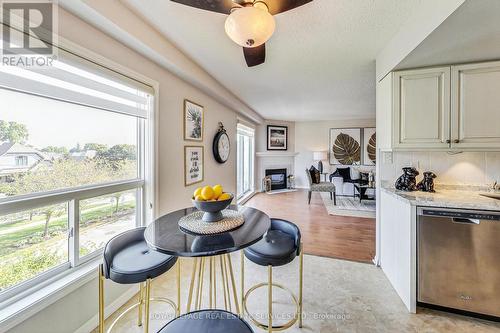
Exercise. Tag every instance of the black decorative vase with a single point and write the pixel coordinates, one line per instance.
(407, 181)
(427, 184)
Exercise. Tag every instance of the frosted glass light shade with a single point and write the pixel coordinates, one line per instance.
(250, 26)
(320, 155)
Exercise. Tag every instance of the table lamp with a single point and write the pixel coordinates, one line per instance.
(320, 156)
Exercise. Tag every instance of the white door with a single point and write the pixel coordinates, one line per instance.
(421, 108)
(476, 105)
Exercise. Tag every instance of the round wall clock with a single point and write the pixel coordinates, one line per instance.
(221, 146)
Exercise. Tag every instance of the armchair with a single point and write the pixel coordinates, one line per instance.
(321, 187)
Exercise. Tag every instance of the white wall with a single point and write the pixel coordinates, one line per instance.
(313, 136)
(74, 310)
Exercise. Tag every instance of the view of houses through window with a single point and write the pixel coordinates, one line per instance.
(73, 170)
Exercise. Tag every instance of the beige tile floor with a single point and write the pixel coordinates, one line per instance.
(339, 296)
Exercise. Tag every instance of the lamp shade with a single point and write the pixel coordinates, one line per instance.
(320, 155)
(250, 26)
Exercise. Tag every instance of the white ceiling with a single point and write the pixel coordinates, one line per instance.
(471, 33)
(320, 61)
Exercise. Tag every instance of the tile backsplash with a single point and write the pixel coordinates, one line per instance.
(467, 168)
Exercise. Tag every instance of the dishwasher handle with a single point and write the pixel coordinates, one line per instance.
(460, 216)
(465, 221)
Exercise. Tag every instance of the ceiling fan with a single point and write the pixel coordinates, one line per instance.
(250, 23)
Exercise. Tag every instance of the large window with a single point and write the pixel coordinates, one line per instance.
(74, 164)
(245, 160)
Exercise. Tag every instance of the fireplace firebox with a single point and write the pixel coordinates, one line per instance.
(278, 178)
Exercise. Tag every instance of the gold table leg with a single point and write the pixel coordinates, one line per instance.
(139, 317)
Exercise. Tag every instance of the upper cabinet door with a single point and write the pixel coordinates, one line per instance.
(421, 107)
(476, 105)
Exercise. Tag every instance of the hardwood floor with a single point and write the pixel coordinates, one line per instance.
(351, 238)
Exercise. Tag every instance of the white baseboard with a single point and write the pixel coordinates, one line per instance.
(92, 323)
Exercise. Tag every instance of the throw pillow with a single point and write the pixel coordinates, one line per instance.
(315, 176)
(345, 173)
(355, 173)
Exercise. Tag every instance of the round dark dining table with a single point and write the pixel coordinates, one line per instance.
(165, 235)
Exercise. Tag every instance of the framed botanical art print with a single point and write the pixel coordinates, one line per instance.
(193, 121)
(193, 165)
(345, 146)
(369, 146)
(277, 137)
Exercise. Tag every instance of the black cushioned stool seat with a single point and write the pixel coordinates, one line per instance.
(278, 247)
(128, 259)
(207, 321)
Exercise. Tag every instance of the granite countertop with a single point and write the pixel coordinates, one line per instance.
(466, 199)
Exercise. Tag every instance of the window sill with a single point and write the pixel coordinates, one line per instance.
(245, 198)
(15, 313)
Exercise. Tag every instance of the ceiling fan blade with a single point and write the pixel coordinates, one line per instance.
(280, 6)
(218, 6)
(255, 55)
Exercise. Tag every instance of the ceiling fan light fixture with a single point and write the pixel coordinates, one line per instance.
(250, 26)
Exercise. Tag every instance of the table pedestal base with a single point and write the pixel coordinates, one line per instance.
(220, 272)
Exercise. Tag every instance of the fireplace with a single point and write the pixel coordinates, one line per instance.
(278, 178)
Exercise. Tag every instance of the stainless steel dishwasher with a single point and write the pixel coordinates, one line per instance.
(458, 261)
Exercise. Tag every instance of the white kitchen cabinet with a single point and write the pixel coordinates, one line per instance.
(421, 108)
(475, 105)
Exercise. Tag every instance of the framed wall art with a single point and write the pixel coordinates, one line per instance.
(345, 146)
(194, 119)
(369, 146)
(277, 137)
(193, 165)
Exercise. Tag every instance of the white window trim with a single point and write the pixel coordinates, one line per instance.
(34, 299)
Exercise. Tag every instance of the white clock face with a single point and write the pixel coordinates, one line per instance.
(223, 147)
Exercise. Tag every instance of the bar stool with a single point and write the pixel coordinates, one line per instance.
(280, 246)
(127, 259)
(207, 321)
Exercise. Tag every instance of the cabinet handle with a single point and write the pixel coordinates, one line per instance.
(448, 141)
(456, 141)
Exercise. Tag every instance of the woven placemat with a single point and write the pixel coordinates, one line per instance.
(193, 222)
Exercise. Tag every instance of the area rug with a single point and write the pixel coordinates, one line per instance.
(349, 206)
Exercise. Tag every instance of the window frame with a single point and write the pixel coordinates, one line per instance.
(251, 156)
(23, 158)
(145, 183)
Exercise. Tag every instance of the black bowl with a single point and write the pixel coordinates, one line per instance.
(212, 209)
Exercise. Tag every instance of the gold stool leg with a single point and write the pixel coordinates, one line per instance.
(178, 309)
(301, 274)
(270, 298)
(141, 291)
(242, 265)
(148, 296)
(101, 299)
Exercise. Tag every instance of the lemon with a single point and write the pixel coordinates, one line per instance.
(224, 196)
(199, 198)
(197, 192)
(207, 193)
(217, 191)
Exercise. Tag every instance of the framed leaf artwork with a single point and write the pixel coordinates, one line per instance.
(369, 146)
(193, 121)
(345, 146)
